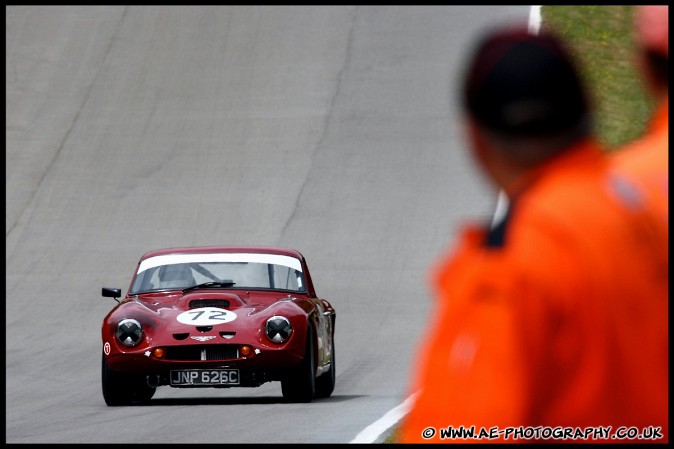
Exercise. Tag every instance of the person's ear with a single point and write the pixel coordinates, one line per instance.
(477, 143)
(486, 155)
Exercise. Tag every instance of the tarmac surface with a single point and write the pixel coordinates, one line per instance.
(329, 129)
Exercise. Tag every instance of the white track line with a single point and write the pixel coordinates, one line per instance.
(372, 432)
(535, 19)
(375, 430)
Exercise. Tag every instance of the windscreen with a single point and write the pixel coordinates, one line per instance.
(240, 271)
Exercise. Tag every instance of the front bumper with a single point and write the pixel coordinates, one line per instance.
(263, 364)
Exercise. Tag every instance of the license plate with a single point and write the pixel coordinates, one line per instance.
(204, 377)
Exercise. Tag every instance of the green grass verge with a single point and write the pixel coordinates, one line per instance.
(602, 41)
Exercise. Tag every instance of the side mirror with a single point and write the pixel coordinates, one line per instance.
(111, 293)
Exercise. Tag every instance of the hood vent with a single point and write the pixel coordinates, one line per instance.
(197, 303)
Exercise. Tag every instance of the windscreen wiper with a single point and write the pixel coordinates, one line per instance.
(209, 284)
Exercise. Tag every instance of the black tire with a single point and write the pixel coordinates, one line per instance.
(299, 385)
(123, 388)
(325, 383)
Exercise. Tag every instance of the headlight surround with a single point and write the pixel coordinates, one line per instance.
(278, 329)
(129, 332)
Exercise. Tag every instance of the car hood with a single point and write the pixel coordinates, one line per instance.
(175, 312)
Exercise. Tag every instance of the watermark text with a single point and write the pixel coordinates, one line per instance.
(543, 433)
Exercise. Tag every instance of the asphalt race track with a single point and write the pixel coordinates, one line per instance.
(331, 130)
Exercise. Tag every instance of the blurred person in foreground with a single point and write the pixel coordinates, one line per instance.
(549, 321)
(641, 168)
(648, 157)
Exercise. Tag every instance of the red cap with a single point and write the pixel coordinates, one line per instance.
(652, 26)
(518, 83)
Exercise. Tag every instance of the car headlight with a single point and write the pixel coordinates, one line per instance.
(278, 329)
(129, 332)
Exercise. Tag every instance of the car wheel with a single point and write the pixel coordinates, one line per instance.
(325, 384)
(122, 388)
(299, 385)
(142, 392)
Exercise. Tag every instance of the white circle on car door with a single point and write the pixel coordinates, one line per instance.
(206, 316)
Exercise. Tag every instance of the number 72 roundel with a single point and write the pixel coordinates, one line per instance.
(206, 316)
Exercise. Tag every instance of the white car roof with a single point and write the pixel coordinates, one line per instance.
(170, 259)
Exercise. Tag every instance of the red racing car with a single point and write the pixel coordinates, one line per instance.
(220, 317)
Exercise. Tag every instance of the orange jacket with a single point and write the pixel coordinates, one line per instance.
(564, 324)
(647, 158)
(640, 176)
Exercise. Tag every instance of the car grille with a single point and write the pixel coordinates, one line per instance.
(202, 352)
(196, 303)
